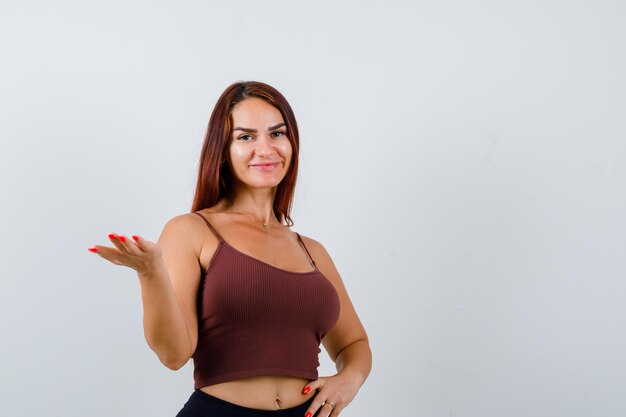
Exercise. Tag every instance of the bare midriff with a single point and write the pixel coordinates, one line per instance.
(264, 392)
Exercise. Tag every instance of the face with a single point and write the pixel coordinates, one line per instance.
(259, 151)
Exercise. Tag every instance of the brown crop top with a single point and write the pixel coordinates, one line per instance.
(257, 319)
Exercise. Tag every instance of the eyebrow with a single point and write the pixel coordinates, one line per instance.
(245, 129)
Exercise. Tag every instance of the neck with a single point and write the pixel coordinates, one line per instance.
(256, 202)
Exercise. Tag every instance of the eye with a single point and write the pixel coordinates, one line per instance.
(244, 136)
(279, 133)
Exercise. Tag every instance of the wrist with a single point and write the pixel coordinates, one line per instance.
(155, 272)
(352, 375)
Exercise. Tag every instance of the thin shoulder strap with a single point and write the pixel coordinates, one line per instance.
(307, 251)
(210, 227)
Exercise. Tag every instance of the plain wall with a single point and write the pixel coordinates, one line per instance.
(462, 162)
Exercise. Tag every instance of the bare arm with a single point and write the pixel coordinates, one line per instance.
(164, 325)
(169, 274)
(169, 293)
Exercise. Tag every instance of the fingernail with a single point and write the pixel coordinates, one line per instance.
(93, 249)
(122, 238)
(111, 235)
(136, 238)
(308, 414)
(306, 390)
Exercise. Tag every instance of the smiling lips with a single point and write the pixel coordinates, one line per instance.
(269, 165)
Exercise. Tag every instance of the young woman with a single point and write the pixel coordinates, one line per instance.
(232, 287)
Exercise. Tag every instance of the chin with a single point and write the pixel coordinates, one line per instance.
(262, 184)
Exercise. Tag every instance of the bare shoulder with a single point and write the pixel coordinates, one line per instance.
(322, 259)
(189, 232)
(314, 246)
(184, 220)
(183, 227)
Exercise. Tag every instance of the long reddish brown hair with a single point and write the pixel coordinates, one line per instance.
(215, 178)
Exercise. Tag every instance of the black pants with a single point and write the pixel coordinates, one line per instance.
(201, 404)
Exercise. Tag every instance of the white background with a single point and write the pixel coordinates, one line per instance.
(462, 161)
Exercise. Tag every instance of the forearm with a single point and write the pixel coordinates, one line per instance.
(164, 326)
(355, 361)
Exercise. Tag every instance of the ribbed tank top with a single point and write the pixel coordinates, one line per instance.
(257, 319)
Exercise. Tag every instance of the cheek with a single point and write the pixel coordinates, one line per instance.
(238, 154)
(288, 154)
(285, 149)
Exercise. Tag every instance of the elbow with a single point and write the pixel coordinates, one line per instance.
(174, 363)
(172, 358)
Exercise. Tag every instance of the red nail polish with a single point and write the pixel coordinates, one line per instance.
(111, 235)
(136, 238)
(94, 249)
(308, 414)
(306, 390)
(122, 238)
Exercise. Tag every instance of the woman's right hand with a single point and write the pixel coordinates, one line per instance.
(141, 255)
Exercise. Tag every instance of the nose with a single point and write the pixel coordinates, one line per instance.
(264, 147)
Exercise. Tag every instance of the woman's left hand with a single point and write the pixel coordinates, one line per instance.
(334, 394)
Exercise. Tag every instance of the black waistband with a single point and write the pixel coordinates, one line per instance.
(209, 405)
